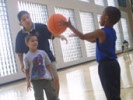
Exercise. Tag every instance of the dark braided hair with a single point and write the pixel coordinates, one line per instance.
(113, 13)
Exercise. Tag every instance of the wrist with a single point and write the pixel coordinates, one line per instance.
(59, 36)
(55, 35)
(28, 79)
(28, 82)
(22, 65)
(70, 26)
(52, 75)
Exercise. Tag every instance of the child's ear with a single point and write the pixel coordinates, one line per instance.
(106, 18)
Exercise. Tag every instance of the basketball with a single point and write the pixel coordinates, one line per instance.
(54, 24)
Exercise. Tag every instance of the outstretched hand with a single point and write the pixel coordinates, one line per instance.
(67, 24)
(64, 23)
(28, 86)
(63, 38)
(23, 69)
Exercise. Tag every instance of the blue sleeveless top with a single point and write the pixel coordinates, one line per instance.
(106, 50)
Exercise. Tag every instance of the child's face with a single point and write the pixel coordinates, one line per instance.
(32, 43)
(26, 21)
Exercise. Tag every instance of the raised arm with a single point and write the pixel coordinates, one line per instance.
(62, 37)
(49, 35)
(91, 37)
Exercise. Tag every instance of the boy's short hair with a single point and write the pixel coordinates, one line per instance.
(113, 13)
(21, 13)
(28, 37)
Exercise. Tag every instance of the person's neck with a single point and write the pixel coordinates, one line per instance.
(28, 29)
(108, 25)
(33, 50)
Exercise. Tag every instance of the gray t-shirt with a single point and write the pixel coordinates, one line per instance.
(37, 62)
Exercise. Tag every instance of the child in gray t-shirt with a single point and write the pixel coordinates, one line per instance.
(38, 70)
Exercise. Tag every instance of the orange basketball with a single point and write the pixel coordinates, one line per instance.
(54, 24)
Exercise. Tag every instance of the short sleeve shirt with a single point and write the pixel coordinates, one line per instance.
(36, 63)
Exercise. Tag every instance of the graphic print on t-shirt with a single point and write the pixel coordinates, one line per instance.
(38, 70)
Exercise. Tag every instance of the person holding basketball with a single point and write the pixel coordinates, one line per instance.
(43, 35)
(105, 38)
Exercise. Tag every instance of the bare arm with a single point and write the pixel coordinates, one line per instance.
(28, 79)
(91, 37)
(20, 57)
(61, 37)
(90, 40)
(27, 75)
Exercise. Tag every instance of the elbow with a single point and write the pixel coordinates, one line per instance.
(92, 41)
(82, 37)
